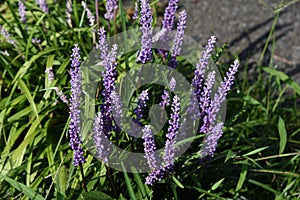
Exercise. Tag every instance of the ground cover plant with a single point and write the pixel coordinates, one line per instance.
(46, 152)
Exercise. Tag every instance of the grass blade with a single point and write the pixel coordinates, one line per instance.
(262, 185)
(61, 180)
(217, 184)
(255, 151)
(140, 184)
(283, 77)
(29, 97)
(242, 177)
(282, 135)
(177, 182)
(96, 195)
(128, 184)
(208, 193)
(23, 188)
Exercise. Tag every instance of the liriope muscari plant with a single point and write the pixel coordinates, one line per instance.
(104, 122)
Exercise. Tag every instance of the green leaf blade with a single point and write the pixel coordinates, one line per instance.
(282, 135)
(23, 188)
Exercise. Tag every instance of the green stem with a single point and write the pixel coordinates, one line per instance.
(268, 39)
(82, 175)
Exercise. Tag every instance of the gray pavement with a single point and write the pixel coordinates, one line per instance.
(245, 25)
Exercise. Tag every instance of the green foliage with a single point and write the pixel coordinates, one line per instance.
(22, 188)
(258, 154)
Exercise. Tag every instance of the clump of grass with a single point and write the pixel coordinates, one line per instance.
(258, 154)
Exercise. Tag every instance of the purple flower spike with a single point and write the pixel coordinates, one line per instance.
(61, 95)
(111, 7)
(170, 11)
(179, 34)
(178, 40)
(140, 107)
(4, 32)
(146, 20)
(172, 84)
(69, 12)
(165, 99)
(158, 35)
(109, 73)
(200, 67)
(214, 131)
(205, 100)
(167, 26)
(193, 107)
(109, 85)
(136, 11)
(100, 139)
(90, 16)
(102, 45)
(149, 147)
(74, 128)
(154, 176)
(222, 92)
(116, 105)
(117, 110)
(211, 140)
(6, 35)
(22, 10)
(43, 5)
(174, 124)
(156, 173)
